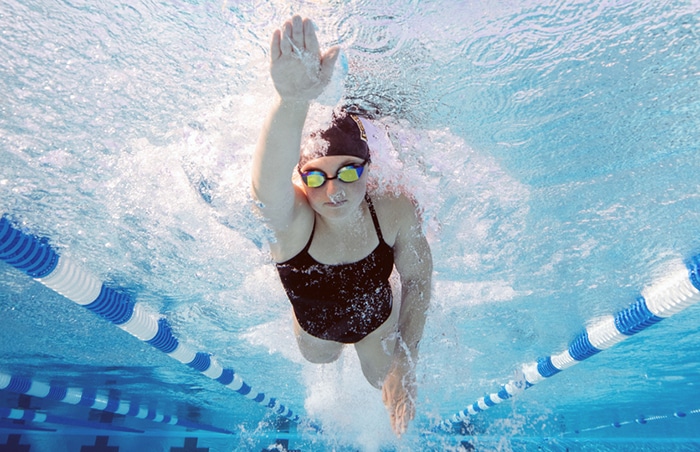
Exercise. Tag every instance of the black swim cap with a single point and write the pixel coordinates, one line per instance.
(345, 136)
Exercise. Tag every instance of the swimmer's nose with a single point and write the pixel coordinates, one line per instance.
(335, 192)
(338, 197)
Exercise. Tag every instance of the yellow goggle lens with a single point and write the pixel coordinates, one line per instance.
(314, 179)
(350, 173)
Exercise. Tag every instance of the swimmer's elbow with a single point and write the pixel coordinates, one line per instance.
(256, 196)
(265, 199)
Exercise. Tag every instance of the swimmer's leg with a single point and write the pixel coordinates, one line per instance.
(376, 350)
(376, 355)
(315, 350)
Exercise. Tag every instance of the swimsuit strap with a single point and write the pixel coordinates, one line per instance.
(374, 218)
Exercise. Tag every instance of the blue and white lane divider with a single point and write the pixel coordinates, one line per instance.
(35, 257)
(96, 400)
(19, 414)
(665, 298)
(641, 420)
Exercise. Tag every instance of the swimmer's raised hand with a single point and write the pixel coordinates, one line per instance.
(299, 70)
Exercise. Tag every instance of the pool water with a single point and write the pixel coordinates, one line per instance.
(551, 145)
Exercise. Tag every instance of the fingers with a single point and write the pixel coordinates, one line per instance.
(328, 62)
(275, 52)
(285, 39)
(403, 413)
(297, 32)
(292, 36)
(398, 423)
(401, 410)
(296, 35)
(310, 40)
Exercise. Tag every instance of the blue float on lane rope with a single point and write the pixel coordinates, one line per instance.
(35, 257)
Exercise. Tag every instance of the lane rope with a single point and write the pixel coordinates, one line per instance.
(20, 414)
(94, 399)
(666, 297)
(640, 420)
(36, 258)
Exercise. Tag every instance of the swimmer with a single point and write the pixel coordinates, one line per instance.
(336, 244)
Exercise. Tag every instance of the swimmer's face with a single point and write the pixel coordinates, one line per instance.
(335, 198)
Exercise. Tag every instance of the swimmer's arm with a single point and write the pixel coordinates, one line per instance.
(300, 72)
(414, 264)
(276, 154)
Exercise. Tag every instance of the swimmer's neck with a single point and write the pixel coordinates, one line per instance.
(347, 225)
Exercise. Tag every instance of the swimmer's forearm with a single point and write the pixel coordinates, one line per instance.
(414, 263)
(414, 307)
(277, 152)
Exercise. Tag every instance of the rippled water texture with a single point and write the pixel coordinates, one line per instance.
(552, 145)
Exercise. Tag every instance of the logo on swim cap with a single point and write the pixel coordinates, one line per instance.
(363, 134)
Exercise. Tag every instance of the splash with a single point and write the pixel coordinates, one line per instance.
(350, 411)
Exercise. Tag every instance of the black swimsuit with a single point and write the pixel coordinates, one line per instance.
(344, 302)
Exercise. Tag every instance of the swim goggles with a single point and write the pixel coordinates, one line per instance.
(347, 174)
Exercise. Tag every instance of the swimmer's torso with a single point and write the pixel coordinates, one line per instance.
(343, 302)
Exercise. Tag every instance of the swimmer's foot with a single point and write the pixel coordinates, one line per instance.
(399, 394)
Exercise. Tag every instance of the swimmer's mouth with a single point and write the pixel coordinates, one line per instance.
(336, 203)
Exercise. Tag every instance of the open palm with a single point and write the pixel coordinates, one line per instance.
(299, 70)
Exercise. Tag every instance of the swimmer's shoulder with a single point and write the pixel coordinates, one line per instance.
(292, 237)
(394, 212)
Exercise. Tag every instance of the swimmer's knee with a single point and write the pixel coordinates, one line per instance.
(373, 378)
(375, 361)
(375, 372)
(318, 351)
(321, 354)
(315, 350)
